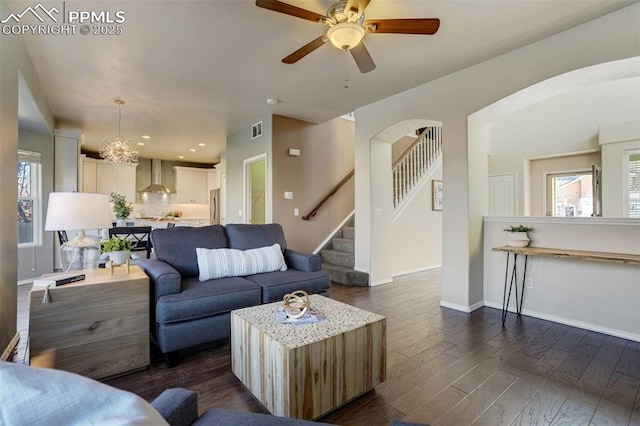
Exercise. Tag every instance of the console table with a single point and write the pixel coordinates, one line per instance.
(97, 327)
(633, 259)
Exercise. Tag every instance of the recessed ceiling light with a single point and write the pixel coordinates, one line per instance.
(141, 143)
(192, 150)
(146, 137)
(180, 156)
(202, 144)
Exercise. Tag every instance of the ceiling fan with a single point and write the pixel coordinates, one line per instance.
(347, 28)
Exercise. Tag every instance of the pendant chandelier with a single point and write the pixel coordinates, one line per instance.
(117, 149)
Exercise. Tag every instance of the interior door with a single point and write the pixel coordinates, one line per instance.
(502, 195)
(255, 190)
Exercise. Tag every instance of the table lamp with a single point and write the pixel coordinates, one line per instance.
(78, 211)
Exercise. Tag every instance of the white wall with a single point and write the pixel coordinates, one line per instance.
(417, 232)
(240, 147)
(565, 123)
(599, 296)
(14, 61)
(612, 37)
(35, 261)
(615, 139)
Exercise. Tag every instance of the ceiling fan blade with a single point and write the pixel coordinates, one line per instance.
(403, 26)
(305, 50)
(356, 7)
(288, 9)
(363, 58)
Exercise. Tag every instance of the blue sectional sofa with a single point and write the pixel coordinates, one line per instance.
(186, 312)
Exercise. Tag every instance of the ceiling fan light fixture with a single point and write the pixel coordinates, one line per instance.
(345, 35)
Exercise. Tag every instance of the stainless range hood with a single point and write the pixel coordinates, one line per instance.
(156, 186)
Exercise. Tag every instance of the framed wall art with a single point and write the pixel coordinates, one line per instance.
(436, 194)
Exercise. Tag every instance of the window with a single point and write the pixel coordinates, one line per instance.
(29, 199)
(570, 194)
(632, 190)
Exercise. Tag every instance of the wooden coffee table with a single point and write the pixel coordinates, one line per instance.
(305, 371)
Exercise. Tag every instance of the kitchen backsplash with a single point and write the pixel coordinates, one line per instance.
(160, 209)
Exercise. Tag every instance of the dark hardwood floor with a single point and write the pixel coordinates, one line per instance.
(446, 367)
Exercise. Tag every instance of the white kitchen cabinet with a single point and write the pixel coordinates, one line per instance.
(213, 182)
(191, 185)
(103, 178)
(89, 170)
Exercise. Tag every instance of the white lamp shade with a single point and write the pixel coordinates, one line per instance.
(77, 210)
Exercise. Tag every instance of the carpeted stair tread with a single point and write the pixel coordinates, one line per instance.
(349, 232)
(346, 276)
(337, 257)
(343, 244)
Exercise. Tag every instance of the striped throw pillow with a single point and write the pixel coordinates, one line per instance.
(220, 263)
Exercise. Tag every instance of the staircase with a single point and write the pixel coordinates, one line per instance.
(338, 257)
(416, 163)
(409, 172)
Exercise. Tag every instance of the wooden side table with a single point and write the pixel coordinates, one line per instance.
(98, 327)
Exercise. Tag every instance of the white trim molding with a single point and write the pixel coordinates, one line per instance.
(462, 308)
(622, 221)
(572, 323)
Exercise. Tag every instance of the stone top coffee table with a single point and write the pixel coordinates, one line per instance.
(305, 371)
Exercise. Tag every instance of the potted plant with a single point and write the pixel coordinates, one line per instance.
(121, 207)
(517, 235)
(118, 248)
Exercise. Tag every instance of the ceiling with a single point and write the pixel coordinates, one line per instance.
(193, 72)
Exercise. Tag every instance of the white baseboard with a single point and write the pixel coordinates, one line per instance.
(462, 308)
(380, 282)
(572, 323)
(9, 350)
(455, 306)
(476, 306)
(415, 271)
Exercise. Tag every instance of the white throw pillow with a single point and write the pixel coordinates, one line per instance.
(220, 263)
(40, 396)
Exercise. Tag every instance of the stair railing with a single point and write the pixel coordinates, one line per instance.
(415, 163)
(331, 193)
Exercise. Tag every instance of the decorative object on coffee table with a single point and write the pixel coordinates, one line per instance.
(517, 235)
(296, 304)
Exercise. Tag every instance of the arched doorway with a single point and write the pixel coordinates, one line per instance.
(399, 239)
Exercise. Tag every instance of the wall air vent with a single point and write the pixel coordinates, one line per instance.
(256, 130)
